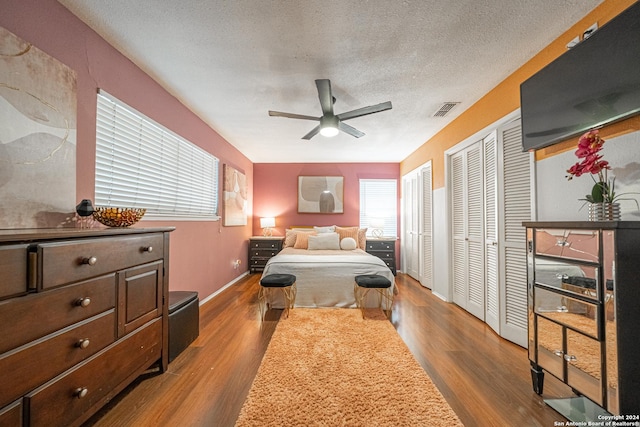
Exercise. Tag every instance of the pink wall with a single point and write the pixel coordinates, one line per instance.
(275, 187)
(201, 253)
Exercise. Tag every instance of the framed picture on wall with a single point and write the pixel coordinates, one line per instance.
(235, 197)
(320, 194)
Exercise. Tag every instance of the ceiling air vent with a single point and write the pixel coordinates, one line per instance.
(444, 109)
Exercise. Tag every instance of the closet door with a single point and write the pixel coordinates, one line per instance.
(468, 230)
(426, 228)
(492, 308)
(410, 244)
(517, 207)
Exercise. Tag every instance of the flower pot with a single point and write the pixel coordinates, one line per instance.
(604, 212)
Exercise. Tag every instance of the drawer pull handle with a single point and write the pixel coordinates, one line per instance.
(90, 261)
(83, 302)
(83, 343)
(570, 358)
(148, 249)
(558, 353)
(80, 392)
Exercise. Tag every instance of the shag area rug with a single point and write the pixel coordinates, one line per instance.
(329, 367)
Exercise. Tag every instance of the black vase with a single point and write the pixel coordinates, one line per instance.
(84, 208)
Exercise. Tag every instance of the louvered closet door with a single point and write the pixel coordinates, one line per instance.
(458, 229)
(492, 308)
(475, 232)
(410, 248)
(517, 167)
(468, 230)
(426, 229)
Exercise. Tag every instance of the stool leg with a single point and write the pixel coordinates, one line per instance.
(360, 295)
(289, 298)
(261, 302)
(388, 297)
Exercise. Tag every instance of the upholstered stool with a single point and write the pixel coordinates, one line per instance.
(184, 318)
(382, 285)
(284, 282)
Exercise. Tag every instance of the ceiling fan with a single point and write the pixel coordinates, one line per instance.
(330, 123)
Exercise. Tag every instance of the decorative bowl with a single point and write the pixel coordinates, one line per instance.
(118, 217)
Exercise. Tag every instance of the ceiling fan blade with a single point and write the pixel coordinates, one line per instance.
(364, 111)
(325, 96)
(350, 130)
(292, 116)
(313, 133)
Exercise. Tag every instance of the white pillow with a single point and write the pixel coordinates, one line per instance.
(324, 241)
(348, 244)
(327, 229)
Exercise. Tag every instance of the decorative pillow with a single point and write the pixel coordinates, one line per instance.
(324, 241)
(289, 238)
(348, 244)
(327, 229)
(302, 239)
(345, 232)
(362, 238)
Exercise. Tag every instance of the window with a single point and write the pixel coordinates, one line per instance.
(379, 205)
(139, 163)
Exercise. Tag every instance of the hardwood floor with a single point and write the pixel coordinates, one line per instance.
(484, 378)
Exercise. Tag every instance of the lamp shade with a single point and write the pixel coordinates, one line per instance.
(376, 223)
(267, 222)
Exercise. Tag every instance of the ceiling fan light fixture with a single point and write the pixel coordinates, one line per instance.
(329, 126)
(329, 131)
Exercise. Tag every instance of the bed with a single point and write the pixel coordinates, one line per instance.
(325, 277)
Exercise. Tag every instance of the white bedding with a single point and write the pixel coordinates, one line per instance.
(325, 278)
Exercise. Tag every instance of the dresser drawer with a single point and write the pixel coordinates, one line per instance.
(569, 276)
(70, 261)
(13, 270)
(571, 312)
(29, 366)
(582, 245)
(259, 262)
(381, 245)
(67, 399)
(263, 253)
(265, 244)
(11, 415)
(33, 316)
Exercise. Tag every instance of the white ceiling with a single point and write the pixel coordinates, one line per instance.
(230, 61)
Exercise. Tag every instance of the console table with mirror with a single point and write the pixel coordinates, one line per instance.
(583, 317)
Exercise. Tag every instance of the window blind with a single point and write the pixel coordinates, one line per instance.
(379, 201)
(139, 163)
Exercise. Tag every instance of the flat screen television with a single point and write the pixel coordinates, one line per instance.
(595, 83)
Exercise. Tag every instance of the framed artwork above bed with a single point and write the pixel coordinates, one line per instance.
(321, 194)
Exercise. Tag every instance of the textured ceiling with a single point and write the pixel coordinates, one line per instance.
(230, 61)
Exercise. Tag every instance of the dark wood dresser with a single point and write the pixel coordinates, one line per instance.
(261, 249)
(385, 249)
(82, 314)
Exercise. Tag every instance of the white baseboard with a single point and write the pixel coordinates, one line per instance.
(231, 283)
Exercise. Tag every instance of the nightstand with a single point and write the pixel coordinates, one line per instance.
(261, 249)
(385, 249)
